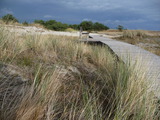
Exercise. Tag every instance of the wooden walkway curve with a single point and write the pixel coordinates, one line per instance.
(125, 51)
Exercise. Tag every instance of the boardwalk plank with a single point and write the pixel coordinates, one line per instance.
(125, 51)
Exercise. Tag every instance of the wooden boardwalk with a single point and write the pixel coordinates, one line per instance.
(132, 53)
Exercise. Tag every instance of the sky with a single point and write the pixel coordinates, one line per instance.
(132, 14)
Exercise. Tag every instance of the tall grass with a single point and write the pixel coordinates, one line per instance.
(147, 40)
(134, 34)
(71, 80)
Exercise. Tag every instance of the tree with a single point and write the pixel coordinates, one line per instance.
(98, 26)
(120, 27)
(54, 25)
(50, 22)
(9, 18)
(25, 23)
(87, 25)
(58, 26)
(74, 26)
(40, 22)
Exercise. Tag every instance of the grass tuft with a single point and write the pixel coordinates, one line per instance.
(65, 79)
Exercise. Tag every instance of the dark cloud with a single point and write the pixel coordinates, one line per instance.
(133, 14)
(4, 11)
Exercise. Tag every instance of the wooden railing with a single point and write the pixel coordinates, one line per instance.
(83, 34)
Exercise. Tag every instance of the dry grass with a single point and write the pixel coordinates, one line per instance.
(2, 23)
(148, 40)
(37, 25)
(70, 30)
(111, 32)
(10, 23)
(70, 80)
(134, 34)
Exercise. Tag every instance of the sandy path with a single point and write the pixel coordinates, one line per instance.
(36, 30)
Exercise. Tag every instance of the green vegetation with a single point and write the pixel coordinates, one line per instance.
(74, 26)
(60, 78)
(58, 26)
(149, 41)
(70, 30)
(134, 34)
(25, 23)
(99, 27)
(120, 27)
(52, 25)
(89, 26)
(40, 22)
(9, 18)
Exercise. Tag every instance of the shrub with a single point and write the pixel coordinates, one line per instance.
(120, 27)
(9, 18)
(58, 26)
(74, 26)
(50, 22)
(70, 30)
(52, 25)
(25, 23)
(87, 25)
(40, 22)
(133, 34)
(98, 26)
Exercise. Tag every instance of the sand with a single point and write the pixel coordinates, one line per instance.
(37, 30)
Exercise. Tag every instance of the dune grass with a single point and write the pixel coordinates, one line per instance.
(70, 30)
(69, 80)
(134, 34)
(148, 40)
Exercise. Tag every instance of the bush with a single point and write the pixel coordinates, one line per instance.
(70, 30)
(87, 25)
(9, 18)
(58, 26)
(98, 27)
(74, 26)
(25, 23)
(50, 22)
(120, 27)
(54, 25)
(134, 34)
(40, 22)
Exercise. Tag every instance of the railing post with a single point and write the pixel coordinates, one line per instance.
(80, 33)
(88, 36)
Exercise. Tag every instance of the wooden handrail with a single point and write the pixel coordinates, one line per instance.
(83, 33)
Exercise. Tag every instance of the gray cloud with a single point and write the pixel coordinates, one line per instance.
(94, 5)
(99, 5)
(132, 13)
(141, 6)
(48, 16)
(4, 11)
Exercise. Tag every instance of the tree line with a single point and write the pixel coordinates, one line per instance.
(59, 26)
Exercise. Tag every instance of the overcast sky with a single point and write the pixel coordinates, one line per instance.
(132, 14)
